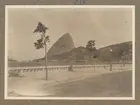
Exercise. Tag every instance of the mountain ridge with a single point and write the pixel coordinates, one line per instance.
(103, 54)
(81, 55)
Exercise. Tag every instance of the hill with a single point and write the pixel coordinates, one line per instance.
(81, 55)
(76, 53)
(119, 51)
(62, 45)
(12, 60)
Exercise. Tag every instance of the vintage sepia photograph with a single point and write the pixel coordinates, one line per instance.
(70, 52)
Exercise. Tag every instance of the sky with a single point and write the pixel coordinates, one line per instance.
(104, 25)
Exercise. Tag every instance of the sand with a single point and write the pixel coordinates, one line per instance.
(34, 83)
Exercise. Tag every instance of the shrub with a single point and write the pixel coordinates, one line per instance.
(14, 74)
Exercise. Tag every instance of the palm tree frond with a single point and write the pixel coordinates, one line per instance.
(47, 39)
(40, 41)
(41, 28)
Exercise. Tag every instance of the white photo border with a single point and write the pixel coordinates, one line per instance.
(69, 98)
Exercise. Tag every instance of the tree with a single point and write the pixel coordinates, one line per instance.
(122, 56)
(42, 42)
(91, 47)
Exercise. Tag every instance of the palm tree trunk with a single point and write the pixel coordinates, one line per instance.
(46, 60)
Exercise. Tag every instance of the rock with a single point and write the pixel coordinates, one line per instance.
(64, 44)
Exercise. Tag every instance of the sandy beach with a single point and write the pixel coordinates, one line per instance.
(34, 83)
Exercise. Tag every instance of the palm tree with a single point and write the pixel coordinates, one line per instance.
(42, 42)
(91, 47)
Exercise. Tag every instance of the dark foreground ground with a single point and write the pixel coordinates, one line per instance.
(106, 85)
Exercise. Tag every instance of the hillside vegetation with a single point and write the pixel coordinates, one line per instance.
(122, 51)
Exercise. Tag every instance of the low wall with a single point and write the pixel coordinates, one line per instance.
(16, 70)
